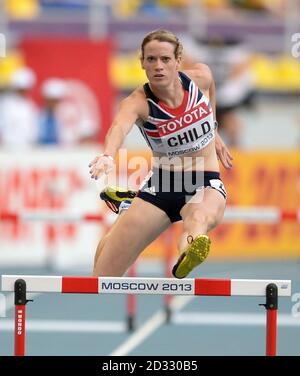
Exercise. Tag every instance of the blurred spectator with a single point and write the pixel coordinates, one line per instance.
(19, 114)
(64, 3)
(230, 64)
(65, 116)
(152, 8)
(125, 8)
(173, 3)
(53, 92)
(274, 6)
(230, 6)
(22, 9)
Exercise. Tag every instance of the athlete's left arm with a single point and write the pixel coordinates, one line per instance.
(222, 151)
(206, 83)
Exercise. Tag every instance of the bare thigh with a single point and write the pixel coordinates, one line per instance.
(131, 234)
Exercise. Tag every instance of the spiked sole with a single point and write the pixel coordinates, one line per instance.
(194, 255)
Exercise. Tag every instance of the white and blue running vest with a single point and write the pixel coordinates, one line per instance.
(175, 135)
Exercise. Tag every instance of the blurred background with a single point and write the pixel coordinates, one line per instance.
(65, 65)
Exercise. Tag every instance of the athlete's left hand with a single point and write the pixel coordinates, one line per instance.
(222, 152)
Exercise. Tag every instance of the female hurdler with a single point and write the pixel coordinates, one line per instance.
(175, 112)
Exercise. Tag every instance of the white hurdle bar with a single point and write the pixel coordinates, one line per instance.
(259, 214)
(21, 285)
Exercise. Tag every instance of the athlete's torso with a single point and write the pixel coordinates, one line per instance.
(184, 131)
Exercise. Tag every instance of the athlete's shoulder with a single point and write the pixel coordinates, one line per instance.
(136, 101)
(201, 74)
(137, 95)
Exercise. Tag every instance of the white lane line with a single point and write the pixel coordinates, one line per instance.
(150, 326)
(78, 326)
(145, 331)
(247, 319)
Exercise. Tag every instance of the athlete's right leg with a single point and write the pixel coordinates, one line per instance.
(117, 200)
(130, 235)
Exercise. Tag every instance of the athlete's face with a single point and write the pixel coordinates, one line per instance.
(159, 63)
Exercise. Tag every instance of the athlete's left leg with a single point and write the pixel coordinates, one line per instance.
(200, 215)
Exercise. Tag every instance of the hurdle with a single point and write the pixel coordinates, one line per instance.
(57, 217)
(23, 284)
(246, 214)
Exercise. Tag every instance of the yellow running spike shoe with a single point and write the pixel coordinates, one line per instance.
(114, 196)
(195, 254)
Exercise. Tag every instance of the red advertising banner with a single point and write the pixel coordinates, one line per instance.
(83, 61)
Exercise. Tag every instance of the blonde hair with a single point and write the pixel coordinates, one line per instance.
(163, 35)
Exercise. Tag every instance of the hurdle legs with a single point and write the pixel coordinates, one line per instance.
(271, 306)
(20, 316)
(131, 303)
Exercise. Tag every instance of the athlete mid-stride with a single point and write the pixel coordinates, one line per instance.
(175, 112)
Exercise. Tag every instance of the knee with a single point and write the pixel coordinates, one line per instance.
(203, 217)
(199, 216)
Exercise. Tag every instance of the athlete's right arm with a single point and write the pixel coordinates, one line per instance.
(129, 111)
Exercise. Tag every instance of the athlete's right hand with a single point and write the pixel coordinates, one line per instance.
(100, 165)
